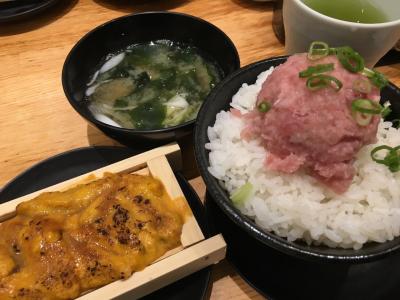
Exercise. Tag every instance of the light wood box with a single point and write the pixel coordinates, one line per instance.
(195, 251)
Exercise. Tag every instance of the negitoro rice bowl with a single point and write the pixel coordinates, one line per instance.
(296, 206)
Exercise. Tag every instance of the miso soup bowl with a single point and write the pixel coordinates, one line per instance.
(85, 57)
(278, 268)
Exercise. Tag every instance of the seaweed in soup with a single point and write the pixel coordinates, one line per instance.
(152, 85)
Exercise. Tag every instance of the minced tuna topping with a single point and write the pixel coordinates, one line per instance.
(311, 129)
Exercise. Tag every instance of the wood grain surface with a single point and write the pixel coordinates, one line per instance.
(36, 119)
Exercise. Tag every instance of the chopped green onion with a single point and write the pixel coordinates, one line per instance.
(354, 62)
(318, 50)
(264, 107)
(332, 51)
(368, 72)
(361, 119)
(320, 81)
(362, 86)
(317, 69)
(350, 59)
(378, 79)
(363, 109)
(391, 159)
(386, 110)
(377, 149)
(242, 194)
(366, 106)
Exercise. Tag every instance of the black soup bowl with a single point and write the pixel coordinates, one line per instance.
(276, 260)
(85, 57)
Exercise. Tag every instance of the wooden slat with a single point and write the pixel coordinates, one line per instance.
(164, 272)
(192, 255)
(152, 162)
(36, 119)
(128, 165)
(160, 168)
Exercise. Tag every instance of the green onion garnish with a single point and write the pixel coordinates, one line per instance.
(361, 119)
(377, 149)
(368, 72)
(240, 196)
(386, 110)
(350, 59)
(264, 107)
(317, 82)
(366, 106)
(378, 79)
(362, 110)
(391, 159)
(317, 69)
(332, 51)
(362, 85)
(318, 50)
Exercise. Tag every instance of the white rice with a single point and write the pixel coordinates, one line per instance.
(296, 206)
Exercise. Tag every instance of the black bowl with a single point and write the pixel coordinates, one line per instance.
(278, 276)
(218, 100)
(85, 56)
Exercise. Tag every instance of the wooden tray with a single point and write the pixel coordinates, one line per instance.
(194, 253)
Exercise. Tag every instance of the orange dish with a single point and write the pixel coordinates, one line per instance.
(62, 244)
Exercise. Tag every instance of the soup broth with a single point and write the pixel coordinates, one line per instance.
(151, 85)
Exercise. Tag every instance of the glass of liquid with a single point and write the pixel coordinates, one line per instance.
(371, 27)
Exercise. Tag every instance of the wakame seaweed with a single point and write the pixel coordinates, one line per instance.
(154, 85)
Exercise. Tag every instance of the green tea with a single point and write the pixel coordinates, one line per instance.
(359, 11)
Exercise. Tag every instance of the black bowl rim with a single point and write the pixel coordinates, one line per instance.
(218, 195)
(90, 117)
(39, 7)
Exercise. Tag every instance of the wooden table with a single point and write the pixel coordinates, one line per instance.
(38, 122)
